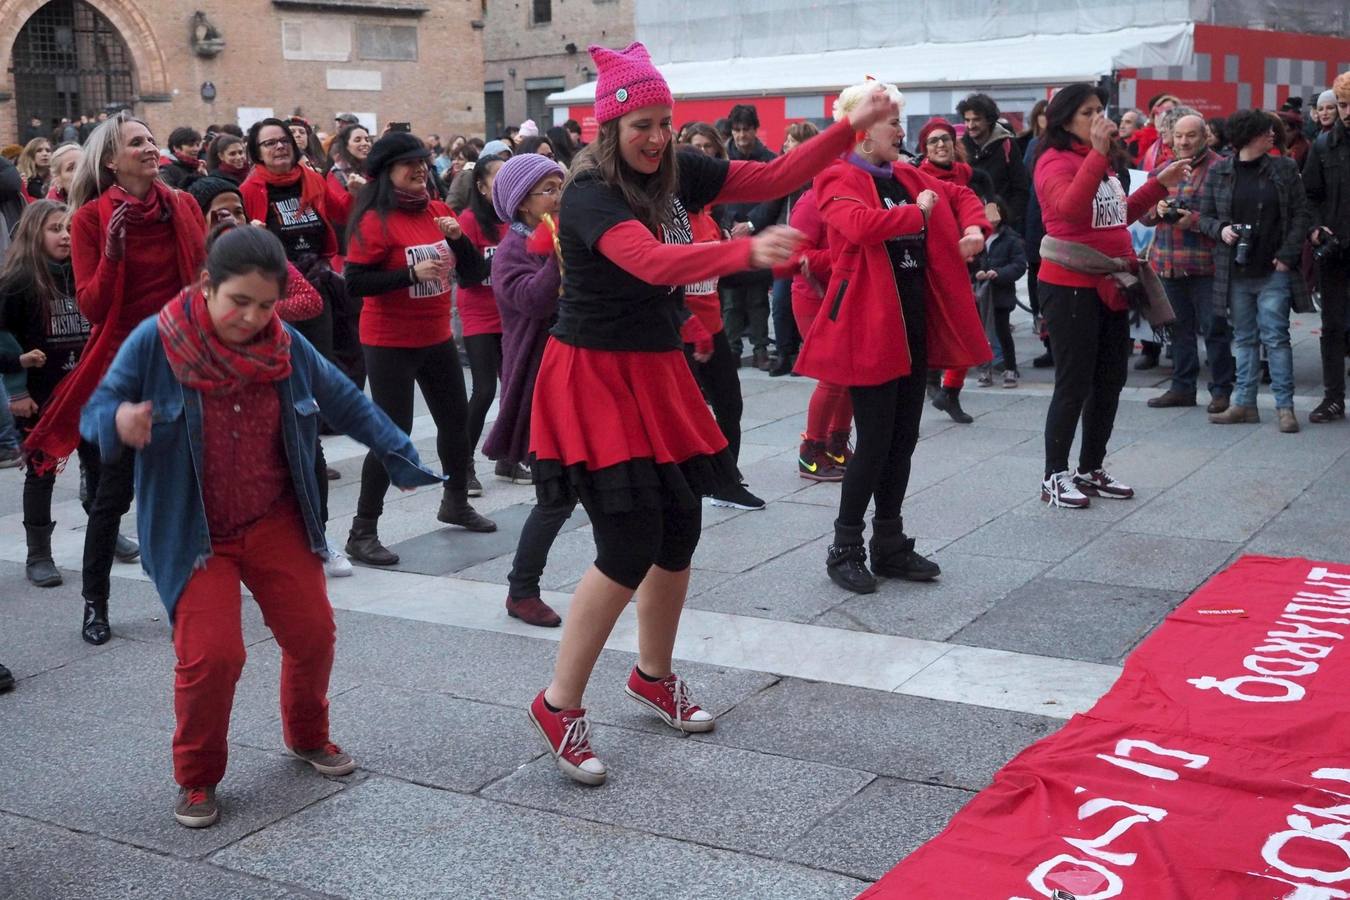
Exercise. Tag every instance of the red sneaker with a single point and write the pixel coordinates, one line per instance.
(670, 700)
(568, 735)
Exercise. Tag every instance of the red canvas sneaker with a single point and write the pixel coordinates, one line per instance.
(568, 735)
(669, 698)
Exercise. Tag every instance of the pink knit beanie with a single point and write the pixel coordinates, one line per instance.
(627, 80)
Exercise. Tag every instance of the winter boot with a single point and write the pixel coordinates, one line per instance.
(893, 554)
(846, 561)
(949, 401)
(41, 570)
(96, 629)
(814, 464)
(455, 510)
(934, 383)
(837, 446)
(363, 544)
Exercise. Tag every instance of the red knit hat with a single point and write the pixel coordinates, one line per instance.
(934, 124)
(626, 81)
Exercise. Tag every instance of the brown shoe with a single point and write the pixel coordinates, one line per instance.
(1236, 415)
(196, 807)
(1288, 422)
(532, 611)
(1217, 404)
(327, 760)
(1171, 399)
(762, 360)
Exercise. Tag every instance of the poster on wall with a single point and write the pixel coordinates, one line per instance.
(247, 116)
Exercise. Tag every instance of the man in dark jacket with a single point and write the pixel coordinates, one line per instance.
(1326, 178)
(185, 144)
(32, 130)
(745, 295)
(992, 149)
(11, 198)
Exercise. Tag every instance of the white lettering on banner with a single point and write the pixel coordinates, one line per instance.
(1124, 748)
(1337, 601)
(1301, 828)
(433, 287)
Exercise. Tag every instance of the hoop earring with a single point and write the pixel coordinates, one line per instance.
(864, 147)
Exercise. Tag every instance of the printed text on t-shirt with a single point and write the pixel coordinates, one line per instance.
(419, 253)
(1108, 207)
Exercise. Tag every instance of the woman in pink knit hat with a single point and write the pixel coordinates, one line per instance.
(618, 421)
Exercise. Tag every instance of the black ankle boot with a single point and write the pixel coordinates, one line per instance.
(846, 561)
(949, 401)
(893, 553)
(455, 510)
(783, 366)
(363, 544)
(933, 383)
(96, 629)
(41, 570)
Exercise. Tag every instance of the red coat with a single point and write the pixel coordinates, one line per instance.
(859, 337)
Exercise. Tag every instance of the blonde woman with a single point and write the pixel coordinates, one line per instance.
(65, 160)
(35, 166)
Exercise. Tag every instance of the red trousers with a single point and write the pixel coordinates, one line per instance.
(273, 558)
(831, 408)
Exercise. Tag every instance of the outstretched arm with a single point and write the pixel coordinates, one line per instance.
(633, 248)
(753, 181)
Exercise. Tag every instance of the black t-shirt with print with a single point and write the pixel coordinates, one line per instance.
(59, 330)
(300, 233)
(602, 306)
(909, 261)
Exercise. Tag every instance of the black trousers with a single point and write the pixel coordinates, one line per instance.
(745, 310)
(1335, 277)
(485, 364)
(1003, 331)
(537, 535)
(886, 417)
(721, 384)
(37, 489)
(1092, 346)
(393, 373)
(627, 544)
(111, 486)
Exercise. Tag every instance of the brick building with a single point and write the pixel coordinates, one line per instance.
(196, 62)
(533, 48)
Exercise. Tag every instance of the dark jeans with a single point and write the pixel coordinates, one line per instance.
(1003, 331)
(37, 489)
(722, 387)
(1335, 277)
(537, 535)
(745, 311)
(111, 486)
(393, 372)
(785, 334)
(321, 472)
(1192, 300)
(887, 420)
(1092, 346)
(485, 364)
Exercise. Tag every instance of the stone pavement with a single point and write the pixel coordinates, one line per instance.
(850, 728)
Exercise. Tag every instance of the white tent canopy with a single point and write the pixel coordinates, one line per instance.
(1049, 59)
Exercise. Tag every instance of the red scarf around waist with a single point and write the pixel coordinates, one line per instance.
(58, 430)
(203, 362)
(254, 189)
(958, 172)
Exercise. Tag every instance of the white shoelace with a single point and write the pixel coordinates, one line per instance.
(679, 693)
(577, 736)
(1061, 485)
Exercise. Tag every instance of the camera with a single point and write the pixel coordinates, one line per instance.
(1175, 210)
(1328, 248)
(1242, 248)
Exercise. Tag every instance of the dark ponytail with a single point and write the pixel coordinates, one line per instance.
(233, 250)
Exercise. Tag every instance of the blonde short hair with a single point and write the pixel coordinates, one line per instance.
(850, 97)
(1342, 86)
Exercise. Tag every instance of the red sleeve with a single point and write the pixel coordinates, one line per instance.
(1145, 199)
(633, 248)
(301, 301)
(967, 207)
(340, 201)
(95, 276)
(855, 216)
(1067, 196)
(753, 181)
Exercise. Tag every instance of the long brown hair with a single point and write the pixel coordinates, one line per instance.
(26, 263)
(649, 197)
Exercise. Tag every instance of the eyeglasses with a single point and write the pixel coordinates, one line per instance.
(546, 192)
(939, 139)
(269, 144)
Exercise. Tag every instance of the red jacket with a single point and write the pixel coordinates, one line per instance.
(807, 292)
(859, 339)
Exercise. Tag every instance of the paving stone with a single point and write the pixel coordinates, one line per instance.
(745, 542)
(1016, 535)
(1311, 451)
(897, 735)
(1022, 412)
(451, 549)
(880, 826)
(568, 559)
(1220, 503)
(116, 780)
(1148, 465)
(44, 862)
(1309, 526)
(763, 802)
(30, 646)
(473, 848)
(979, 442)
(1146, 560)
(790, 588)
(969, 500)
(1070, 620)
(968, 588)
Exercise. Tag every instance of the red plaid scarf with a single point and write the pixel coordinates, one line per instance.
(203, 362)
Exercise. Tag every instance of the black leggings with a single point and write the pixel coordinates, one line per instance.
(321, 472)
(393, 371)
(887, 418)
(110, 487)
(721, 384)
(37, 489)
(1091, 345)
(485, 364)
(536, 539)
(1003, 331)
(628, 544)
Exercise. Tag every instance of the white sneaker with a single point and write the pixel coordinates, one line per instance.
(1059, 490)
(336, 565)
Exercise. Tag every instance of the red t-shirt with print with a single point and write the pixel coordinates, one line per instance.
(701, 297)
(414, 316)
(478, 313)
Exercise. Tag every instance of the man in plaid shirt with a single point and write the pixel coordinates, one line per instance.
(1183, 257)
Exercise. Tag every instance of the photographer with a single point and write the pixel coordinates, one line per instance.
(1326, 178)
(1183, 257)
(1254, 208)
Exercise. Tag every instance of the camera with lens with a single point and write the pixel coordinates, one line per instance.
(1328, 247)
(1175, 210)
(1242, 247)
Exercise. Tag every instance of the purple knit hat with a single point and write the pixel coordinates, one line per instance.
(515, 179)
(626, 81)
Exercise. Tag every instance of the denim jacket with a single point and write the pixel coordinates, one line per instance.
(170, 513)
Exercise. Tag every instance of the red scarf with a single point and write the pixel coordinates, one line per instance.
(254, 189)
(187, 160)
(58, 430)
(958, 172)
(234, 173)
(203, 362)
(57, 194)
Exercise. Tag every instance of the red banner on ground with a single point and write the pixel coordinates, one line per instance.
(1217, 767)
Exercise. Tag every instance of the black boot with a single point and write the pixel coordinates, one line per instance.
(96, 629)
(933, 383)
(846, 561)
(893, 554)
(455, 510)
(363, 544)
(41, 570)
(126, 550)
(6, 679)
(949, 401)
(783, 366)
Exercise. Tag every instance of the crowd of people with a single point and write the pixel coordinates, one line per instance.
(187, 321)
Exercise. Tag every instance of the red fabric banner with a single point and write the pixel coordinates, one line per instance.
(1217, 767)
